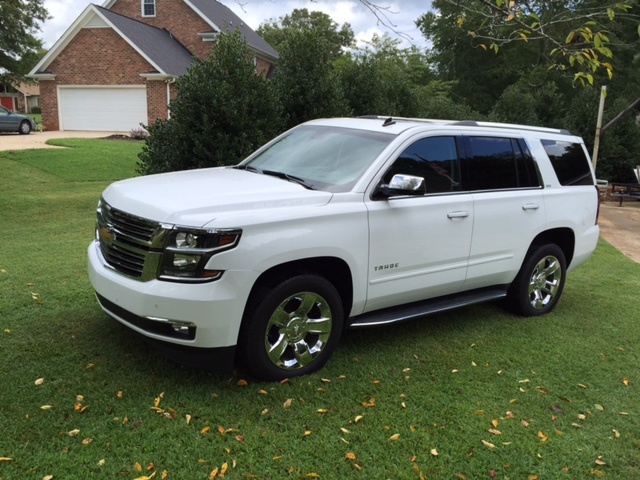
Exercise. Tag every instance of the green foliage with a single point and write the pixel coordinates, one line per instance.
(19, 46)
(336, 38)
(305, 80)
(114, 407)
(222, 113)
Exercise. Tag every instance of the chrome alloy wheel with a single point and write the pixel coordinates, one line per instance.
(545, 281)
(298, 330)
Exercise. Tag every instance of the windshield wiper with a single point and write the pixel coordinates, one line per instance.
(248, 168)
(290, 178)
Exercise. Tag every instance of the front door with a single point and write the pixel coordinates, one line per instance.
(419, 246)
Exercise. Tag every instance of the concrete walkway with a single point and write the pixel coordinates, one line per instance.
(15, 141)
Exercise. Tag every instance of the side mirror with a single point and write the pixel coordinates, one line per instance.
(402, 185)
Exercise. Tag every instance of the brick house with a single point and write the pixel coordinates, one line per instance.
(20, 98)
(115, 67)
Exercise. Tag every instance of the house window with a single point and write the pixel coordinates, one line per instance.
(148, 8)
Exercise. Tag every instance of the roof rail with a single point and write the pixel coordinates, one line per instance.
(531, 128)
(473, 123)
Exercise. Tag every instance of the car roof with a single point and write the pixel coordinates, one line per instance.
(398, 125)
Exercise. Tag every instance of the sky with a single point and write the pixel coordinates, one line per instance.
(401, 14)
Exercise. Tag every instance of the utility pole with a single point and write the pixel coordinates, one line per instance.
(596, 142)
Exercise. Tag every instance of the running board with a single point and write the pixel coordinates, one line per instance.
(410, 311)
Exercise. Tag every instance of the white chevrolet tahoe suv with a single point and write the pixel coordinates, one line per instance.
(342, 223)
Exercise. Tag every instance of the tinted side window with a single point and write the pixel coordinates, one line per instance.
(435, 159)
(494, 163)
(569, 162)
(490, 164)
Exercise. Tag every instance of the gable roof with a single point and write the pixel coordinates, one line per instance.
(221, 19)
(166, 55)
(157, 44)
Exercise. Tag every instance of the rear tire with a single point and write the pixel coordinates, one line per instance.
(539, 284)
(291, 327)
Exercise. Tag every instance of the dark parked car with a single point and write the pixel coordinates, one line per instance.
(14, 122)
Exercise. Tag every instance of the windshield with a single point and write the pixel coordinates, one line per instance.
(326, 158)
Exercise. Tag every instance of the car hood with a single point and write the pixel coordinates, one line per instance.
(196, 197)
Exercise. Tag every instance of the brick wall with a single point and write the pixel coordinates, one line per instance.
(97, 56)
(175, 16)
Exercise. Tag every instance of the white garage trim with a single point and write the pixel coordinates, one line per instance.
(108, 108)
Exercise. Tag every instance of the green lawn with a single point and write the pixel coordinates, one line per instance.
(475, 393)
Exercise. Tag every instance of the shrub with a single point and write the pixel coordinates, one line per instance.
(138, 134)
(223, 111)
(36, 110)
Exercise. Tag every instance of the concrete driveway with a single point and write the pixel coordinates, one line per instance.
(620, 226)
(15, 141)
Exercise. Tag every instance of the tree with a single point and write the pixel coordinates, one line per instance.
(335, 37)
(223, 112)
(305, 79)
(576, 36)
(19, 24)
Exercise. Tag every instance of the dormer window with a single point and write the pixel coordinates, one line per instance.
(148, 8)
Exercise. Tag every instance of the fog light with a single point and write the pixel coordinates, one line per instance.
(181, 329)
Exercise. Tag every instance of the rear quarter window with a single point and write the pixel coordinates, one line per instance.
(569, 162)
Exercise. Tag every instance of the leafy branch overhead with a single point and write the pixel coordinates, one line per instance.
(576, 36)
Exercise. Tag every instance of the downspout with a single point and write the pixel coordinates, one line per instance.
(169, 82)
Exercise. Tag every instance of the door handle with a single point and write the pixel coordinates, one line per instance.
(461, 214)
(530, 206)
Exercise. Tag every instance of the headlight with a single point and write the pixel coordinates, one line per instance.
(189, 250)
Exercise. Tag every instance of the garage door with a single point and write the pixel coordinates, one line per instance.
(102, 108)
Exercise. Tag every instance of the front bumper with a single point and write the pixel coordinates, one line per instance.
(202, 316)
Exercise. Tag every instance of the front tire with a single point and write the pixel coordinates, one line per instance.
(539, 284)
(291, 327)
(25, 128)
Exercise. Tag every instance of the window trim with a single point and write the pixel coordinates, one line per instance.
(144, 3)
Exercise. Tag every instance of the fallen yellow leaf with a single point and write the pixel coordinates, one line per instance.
(242, 383)
(205, 430)
(46, 407)
(350, 456)
(494, 431)
(394, 437)
(101, 462)
(6, 459)
(224, 468)
(434, 452)
(39, 381)
(616, 433)
(74, 432)
(288, 403)
(358, 418)
(137, 467)
(87, 441)
(542, 436)
(488, 444)
(263, 392)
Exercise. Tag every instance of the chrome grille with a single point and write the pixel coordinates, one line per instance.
(127, 242)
